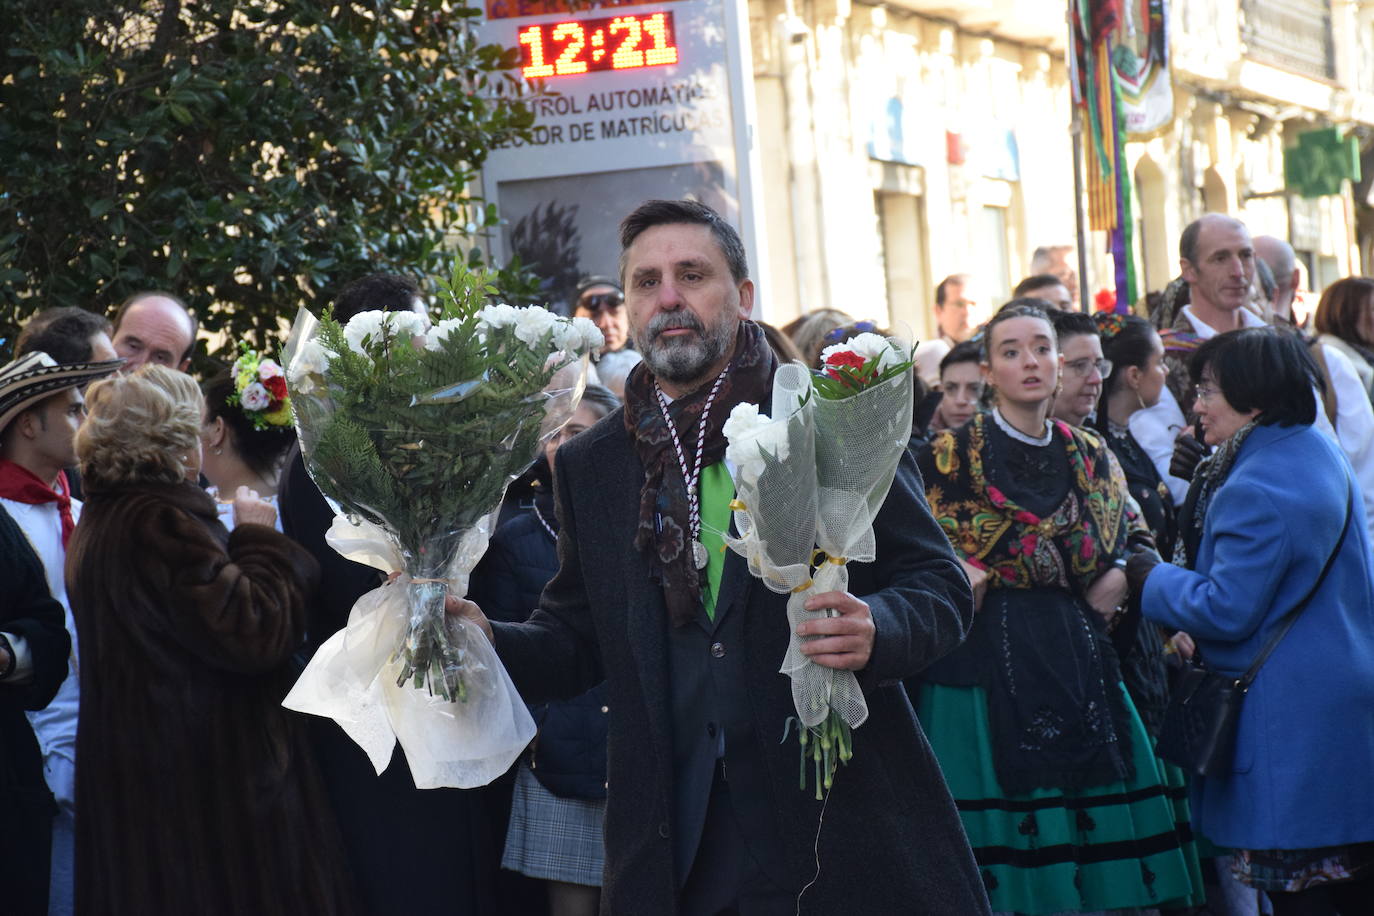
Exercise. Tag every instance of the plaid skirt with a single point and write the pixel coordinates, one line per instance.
(553, 838)
(1299, 869)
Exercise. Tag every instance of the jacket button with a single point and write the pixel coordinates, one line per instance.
(711, 729)
(717, 650)
(605, 709)
(663, 830)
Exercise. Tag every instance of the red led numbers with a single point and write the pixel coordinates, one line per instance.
(620, 43)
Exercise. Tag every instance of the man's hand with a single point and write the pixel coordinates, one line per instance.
(252, 509)
(844, 642)
(978, 578)
(1183, 644)
(469, 611)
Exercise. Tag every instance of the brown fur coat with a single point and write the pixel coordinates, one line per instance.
(195, 788)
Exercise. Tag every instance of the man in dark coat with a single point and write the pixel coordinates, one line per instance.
(33, 663)
(704, 810)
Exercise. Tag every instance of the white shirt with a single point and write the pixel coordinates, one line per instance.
(55, 725)
(1155, 428)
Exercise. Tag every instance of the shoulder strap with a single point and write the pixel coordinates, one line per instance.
(1292, 616)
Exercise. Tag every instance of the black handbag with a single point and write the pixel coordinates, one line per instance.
(1199, 729)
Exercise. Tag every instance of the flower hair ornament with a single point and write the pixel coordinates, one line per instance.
(1109, 324)
(260, 391)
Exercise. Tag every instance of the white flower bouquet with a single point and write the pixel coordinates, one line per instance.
(414, 432)
(809, 482)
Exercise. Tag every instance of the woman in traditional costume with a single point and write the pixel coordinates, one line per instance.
(1065, 804)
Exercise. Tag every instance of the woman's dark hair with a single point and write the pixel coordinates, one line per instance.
(1340, 308)
(1072, 324)
(1127, 340)
(1264, 369)
(260, 449)
(1025, 307)
(968, 351)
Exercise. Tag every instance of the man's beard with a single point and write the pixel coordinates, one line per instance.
(685, 361)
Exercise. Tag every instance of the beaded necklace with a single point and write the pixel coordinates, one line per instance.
(692, 475)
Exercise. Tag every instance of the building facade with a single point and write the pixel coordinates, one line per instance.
(908, 140)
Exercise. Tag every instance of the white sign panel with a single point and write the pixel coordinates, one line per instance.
(637, 101)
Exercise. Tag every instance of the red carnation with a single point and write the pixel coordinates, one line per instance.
(276, 386)
(845, 358)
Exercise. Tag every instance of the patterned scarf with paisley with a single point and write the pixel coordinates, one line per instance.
(1055, 708)
(662, 533)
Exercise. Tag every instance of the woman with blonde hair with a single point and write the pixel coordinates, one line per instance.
(196, 791)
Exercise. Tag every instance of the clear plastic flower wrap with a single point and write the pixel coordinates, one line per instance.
(413, 432)
(805, 511)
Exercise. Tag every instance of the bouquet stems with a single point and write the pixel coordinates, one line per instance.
(429, 656)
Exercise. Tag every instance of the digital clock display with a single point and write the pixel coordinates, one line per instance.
(617, 43)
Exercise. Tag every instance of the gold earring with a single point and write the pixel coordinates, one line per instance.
(219, 451)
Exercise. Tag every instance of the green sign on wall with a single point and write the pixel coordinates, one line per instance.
(1321, 161)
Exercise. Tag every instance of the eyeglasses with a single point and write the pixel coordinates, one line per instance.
(599, 301)
(1204, 392)
(1084, 367)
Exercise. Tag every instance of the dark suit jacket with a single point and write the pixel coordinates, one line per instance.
(891, 841)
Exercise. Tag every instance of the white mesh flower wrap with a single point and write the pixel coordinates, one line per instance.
(356, 671)
(824, 493)
(777, 526)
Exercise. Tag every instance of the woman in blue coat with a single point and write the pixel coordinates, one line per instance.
(1268, 509)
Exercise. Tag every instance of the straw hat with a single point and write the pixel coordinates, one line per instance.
(34, 376)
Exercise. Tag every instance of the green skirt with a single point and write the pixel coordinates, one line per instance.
(1110, 847)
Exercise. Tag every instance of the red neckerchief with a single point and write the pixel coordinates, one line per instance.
(23, 486)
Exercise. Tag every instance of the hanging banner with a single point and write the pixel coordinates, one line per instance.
(1140, 57)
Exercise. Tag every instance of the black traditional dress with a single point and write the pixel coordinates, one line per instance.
(1064, 802)
(1143, 665)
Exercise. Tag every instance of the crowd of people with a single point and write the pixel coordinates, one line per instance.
(1092, 507)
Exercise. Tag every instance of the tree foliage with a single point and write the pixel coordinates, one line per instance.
(250, 157)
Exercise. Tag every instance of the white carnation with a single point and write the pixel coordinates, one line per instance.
(874, 346)
(589, 335)
(749, 435)
(533, 324)
(364, 326)
(497, 316)
(440, 332)
(369, 326)
(255, 397)
(407, 324)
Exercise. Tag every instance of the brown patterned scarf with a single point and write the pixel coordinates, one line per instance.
(663, 527)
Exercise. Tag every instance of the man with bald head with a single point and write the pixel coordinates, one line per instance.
(154, 327)
(1217, 259)
(1283, 263)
